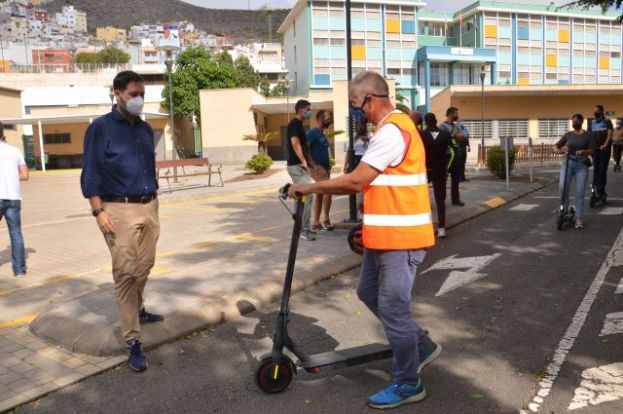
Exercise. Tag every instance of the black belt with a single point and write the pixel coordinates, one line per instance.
(138, 199)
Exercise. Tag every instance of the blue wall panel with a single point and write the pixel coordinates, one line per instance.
(408, 27)
(523, 33)
(322, 79)
(321, 23)
(505, 58)
(394, 54)
(338, 23)
(523, 59)
(504, 32)
(374, 53)
(374, 25)
(358, 25)
(321, 52)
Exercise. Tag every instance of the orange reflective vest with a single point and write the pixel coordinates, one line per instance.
(397, 212)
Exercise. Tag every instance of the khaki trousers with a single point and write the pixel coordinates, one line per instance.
(133, 252)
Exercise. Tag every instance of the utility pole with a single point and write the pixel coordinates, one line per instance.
(352, 199)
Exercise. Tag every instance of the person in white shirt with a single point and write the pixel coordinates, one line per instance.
(12, 170)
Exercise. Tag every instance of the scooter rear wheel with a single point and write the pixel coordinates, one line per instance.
(592, 202)
(274, 378)
(560, 222)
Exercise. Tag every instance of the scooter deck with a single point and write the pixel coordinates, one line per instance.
(346, 357)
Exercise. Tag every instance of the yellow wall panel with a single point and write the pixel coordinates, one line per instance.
(524, 81)
(491, 31)
(392, 26)
(551, 60)
(359, 52)
(563, 36)
(604, 62)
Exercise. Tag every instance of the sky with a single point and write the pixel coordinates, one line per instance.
(436, 5)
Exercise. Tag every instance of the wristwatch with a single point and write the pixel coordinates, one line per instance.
(96, 212)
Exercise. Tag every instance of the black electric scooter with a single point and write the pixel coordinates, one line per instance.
(276, 370)
(565, 216)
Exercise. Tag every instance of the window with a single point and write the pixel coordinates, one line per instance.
(436, 29)
(58, 138)
(475, 128)
(553, 128)
(321, 41)
(438, 74)
(517, 128)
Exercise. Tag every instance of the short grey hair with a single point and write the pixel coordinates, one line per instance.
(368, 83)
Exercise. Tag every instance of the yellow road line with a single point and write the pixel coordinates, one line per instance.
(19, 321)
(251, 237)
(494, 202)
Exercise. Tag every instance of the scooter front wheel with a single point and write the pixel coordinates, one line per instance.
(274, 378)
(560, 222)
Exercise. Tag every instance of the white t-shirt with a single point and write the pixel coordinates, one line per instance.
(10, 160)
(386, 148)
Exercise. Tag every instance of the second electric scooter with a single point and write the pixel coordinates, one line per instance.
(276, 370)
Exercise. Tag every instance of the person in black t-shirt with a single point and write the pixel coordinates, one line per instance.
(298, 159)
(436, 143)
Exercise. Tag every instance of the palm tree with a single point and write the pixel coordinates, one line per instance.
(262, 139)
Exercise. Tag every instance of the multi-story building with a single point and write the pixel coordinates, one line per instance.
(56, 60)
(110, 34)
(516, 44)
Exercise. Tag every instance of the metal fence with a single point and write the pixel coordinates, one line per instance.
(541, 153)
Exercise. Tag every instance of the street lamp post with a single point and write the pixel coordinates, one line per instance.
(352, 199)
(169, 63)
(483, 74)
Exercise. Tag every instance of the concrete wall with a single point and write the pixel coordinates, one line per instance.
(11, 107)
(225, 118)
(535, 107)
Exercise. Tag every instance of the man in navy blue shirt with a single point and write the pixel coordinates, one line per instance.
(320, 154)
(601, 130)
(119, 179)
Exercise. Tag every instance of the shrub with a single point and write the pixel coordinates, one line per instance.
(496, 163)
(259, 163)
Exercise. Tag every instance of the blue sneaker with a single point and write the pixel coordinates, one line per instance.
(136, 360)
(397, 394)
(427, 356)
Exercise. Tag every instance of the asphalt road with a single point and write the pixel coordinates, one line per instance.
(505, 334)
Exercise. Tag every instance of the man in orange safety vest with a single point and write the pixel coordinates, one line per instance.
(397, 231)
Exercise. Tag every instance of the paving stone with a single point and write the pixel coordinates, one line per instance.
(23, 353)
(68, 379)
(37, 345)
(21, 385)
(9, 361)
(22, 367)
(9, 378)
(74, 363)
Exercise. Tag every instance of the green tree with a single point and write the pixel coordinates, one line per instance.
(401, 103)
(264, 87)
(113, 54)
(278, 90)
(109, 55)
(87, 58)
(196, 69)
(246, 75)
(262, 139)
(605, 5)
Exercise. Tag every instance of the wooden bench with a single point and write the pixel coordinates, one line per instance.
(189, 162)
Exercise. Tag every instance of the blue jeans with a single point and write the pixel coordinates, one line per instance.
(385, 286)
(11, 209)
(578, 171)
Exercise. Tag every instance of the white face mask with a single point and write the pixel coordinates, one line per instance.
(135, 106)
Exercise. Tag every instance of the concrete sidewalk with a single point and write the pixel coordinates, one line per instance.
(219, 247)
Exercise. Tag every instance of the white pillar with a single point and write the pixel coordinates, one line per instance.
(41, 149)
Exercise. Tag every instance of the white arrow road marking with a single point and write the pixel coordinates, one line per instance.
(613, 324)
(614, 258)
(599, 385)
(611, 211)
(457, 279)
(524, 207)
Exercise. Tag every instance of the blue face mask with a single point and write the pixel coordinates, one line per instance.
(308, 114)
(358, 114)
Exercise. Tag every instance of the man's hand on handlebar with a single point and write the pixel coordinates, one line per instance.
(297, 190)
